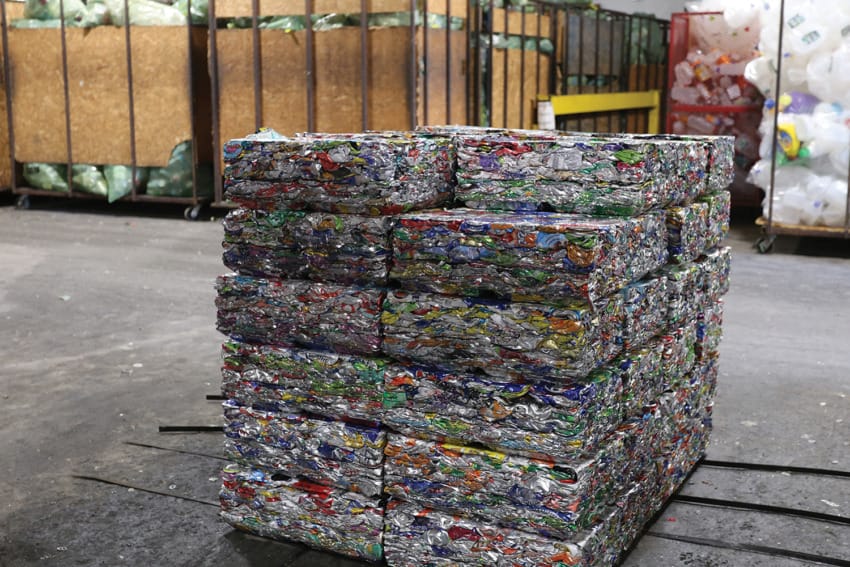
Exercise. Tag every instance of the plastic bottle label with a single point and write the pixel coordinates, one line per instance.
(796, 20)
(811, 37)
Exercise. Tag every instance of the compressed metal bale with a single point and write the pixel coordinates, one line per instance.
(698, 227)
(646, 313)
(714, 269)
(421, 536)
(544, 497)
(346, 249)
(300, 313)
(576, 172)
(709, 328)
(332, 453)
(502, 339)
(329, 519)
(694, 284)
(369, 174)
(430, 523)
(286, 379)
(531, 418)
(542, 257)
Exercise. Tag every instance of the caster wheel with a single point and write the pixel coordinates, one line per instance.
(192, 213)
(23, 202)
(765, 244)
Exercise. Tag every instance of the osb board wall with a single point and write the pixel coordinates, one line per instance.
(644, 78)
(445, 76)
(14, 10)
(337, 80)
(98, 94)
(241, 8)
(533, 24)
(593, 47)
(515, 88)
(282, 67)
(523, 87)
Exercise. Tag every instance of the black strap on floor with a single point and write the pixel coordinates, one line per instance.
(191, 429)
(142, 489)
(173, 450)
(721, 503)
(751, 548)
(215, 397)
(773, 468)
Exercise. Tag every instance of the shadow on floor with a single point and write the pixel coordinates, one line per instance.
(118, 209)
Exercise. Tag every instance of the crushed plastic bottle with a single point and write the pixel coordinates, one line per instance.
(828, 74)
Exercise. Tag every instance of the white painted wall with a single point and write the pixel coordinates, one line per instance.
(661, 8)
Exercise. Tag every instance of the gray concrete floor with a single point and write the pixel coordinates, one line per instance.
(107, 331)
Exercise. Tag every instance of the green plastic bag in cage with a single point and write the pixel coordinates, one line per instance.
(89, 179)
(175, 179)
(46, 176)
(144, 13)
(119, 180)
(97, 14)
(283, 23)
(50, 9)
(200, 10)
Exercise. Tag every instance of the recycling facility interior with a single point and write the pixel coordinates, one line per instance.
(111, 431)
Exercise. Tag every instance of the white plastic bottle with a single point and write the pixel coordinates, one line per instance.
(828, 74)
(805, 26)
(761, 72)
(835, 202)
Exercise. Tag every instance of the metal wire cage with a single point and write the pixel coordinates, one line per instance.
(771, 227)
(601, 55)
(60, 108)
(335, 66)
